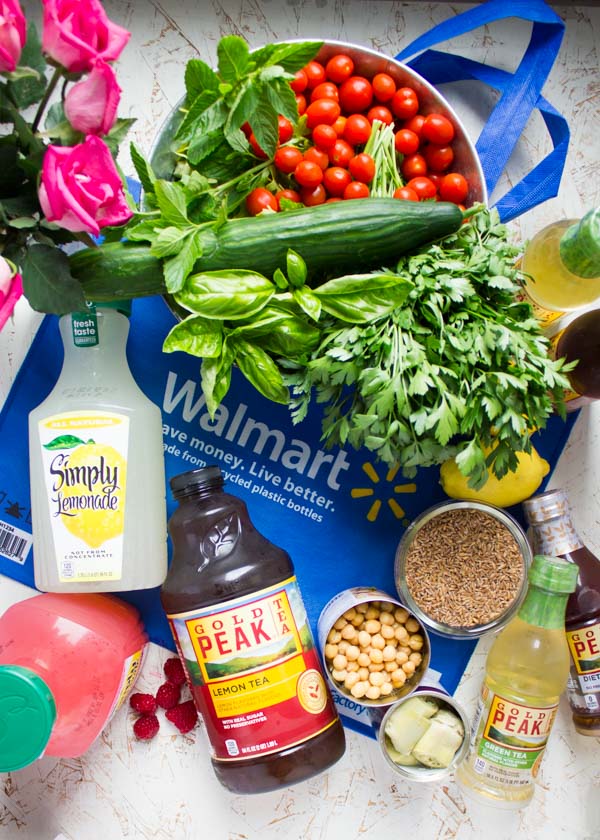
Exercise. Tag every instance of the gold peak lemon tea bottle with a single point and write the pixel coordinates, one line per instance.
(245, 642)
(96, 466)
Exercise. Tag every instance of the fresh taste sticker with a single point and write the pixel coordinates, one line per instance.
(84, 456)
(254, 672)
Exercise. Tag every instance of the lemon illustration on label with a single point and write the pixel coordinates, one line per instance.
(93, 493)
(509, 490)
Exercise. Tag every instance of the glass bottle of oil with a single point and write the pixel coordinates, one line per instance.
(526, 672)
(563, 262)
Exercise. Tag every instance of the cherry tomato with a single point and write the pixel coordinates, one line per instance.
(286, 129)
(255, 147)
(454, 187)
(406, 141)
(246, 129)
(405, 194)
(308, 174)
(317, 156)
(339, 125)
(315, 74)
(413, 165)
(290, 195)
(356, 189)
(324, 136)
(326, 90)
(424, 187)
(335, 180)
(356, 94)
(405, 103)
(300, 81)
(301, 103)
(339, 68)
(438, 129)
(341, 153)
(287, 158)
(415, 124)
(313, 195)
(322, 111)
(333, 198)
(357, 130)
(381, 113)
(436, 178)
(260, 199)
(362, 168)
(438, 158)
(384, 87)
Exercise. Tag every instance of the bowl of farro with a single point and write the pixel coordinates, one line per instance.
(461, 568)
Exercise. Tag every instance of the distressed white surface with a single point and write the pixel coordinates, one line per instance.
(165, 789)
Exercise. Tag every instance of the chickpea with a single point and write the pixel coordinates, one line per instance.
(386, 606)
(339, 676)
(398, 678)
(343, 646)
(373, 692)
(386, 618)
(340, 623)
(409, 668)
(372, 626)
(357, 620)
(359, 689)
(361, 608)
(377, 678)
(379, 666)
(352, 653)
(405, 649)
(377, 641)
(364, 660)
(372, 612)
(387, 632)
(349, 633)
(351, 679)
(339, 662)
(401, 634)
(363, 673)
(364, 639)
(375, 656)
(416, 658)
(386, 688)
(401, 657)
(415, 642)
(412, 625)
(334, 636)
(349, 614)
(400, 614)
(352, 666)
(389, 653)
(330, 651)
(389, 666)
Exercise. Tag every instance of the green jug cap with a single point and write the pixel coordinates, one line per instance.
(553, 574)
(580, 246)
(27, 715)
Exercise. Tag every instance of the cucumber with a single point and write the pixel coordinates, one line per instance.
(332, 238)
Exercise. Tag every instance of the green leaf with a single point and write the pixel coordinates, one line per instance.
(30, 89)
(176, 269)
(233, 57)
(171, 200)
(216, 378)
(264, 124)
(47, 281)
(357, 298)
(194, 112)
(308, 302)
(197, 336)
(230, 294)
(242, 110)
(64, 442)
(291, 56)
(170, 240)
(261, 371)
(296, 268)
(118, 133)
(207, 132)
(199, 77)
(282, 98)
(143, 169)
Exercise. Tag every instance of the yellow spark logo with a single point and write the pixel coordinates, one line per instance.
(363, 492)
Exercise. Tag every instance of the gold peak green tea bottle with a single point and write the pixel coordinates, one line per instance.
(526, 672)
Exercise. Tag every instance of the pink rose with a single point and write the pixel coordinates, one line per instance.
(80, 188)
(11, 289)
(91, 105)
(75, 32)
(12, 34)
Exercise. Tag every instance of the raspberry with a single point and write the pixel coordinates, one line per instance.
(174, 671)
(168, 695)
(146, 727)
(184, 716)
(143, 704)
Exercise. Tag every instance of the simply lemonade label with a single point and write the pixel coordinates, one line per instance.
(254, 672)
(84, 456)
(513, 737)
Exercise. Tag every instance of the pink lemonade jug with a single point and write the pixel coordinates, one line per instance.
(67, 662)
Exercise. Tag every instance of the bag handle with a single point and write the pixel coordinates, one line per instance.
(520, 95)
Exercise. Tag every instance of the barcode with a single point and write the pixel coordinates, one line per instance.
(14, 543)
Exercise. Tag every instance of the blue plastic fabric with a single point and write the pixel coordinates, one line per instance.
(520, 95)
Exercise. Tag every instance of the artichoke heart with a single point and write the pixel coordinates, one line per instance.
(438, 745)
(409, 722)
(451, 719)
(407, 760)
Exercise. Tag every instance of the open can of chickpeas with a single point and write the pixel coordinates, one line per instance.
(425, 736)
(374, 650)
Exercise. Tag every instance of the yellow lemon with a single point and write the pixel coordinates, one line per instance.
(513, 488)
(94, 493)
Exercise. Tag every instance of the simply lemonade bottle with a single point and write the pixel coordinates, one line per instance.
(526, 672)
(97, 467)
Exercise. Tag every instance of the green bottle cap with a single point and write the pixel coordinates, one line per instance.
(27, 715)
(580, 246)
(553, 574)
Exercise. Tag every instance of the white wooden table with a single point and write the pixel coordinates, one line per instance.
(165, 789)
